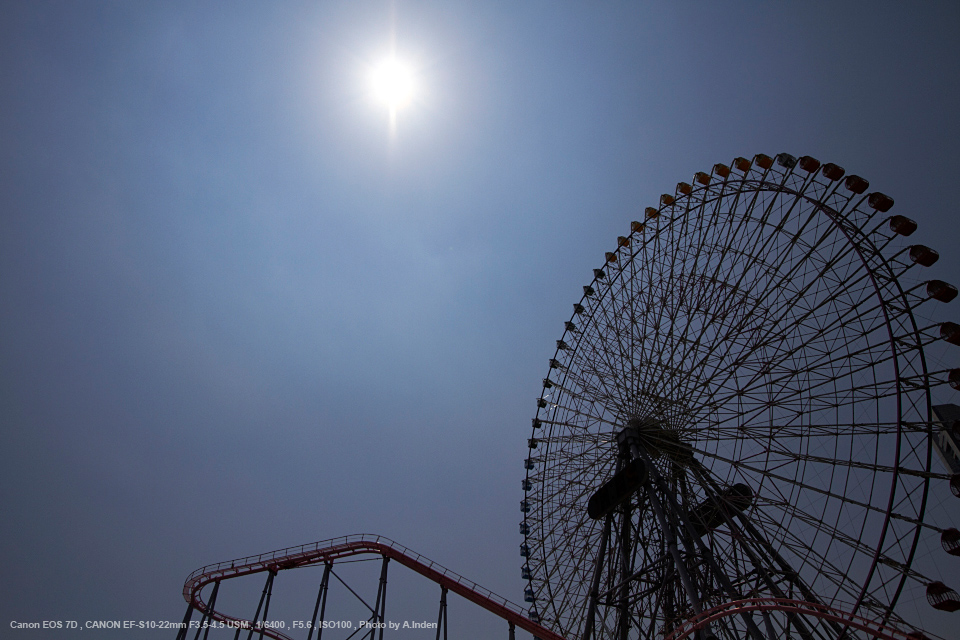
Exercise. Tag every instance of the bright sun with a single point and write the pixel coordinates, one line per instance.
(392, 83)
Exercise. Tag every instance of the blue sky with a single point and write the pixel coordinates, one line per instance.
(238, 314)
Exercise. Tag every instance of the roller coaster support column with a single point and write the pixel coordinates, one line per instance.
(186, 619)
(267, 593)
(210, 607)
(185, 625)
(442, 618)
(266, 607)
(379, 609)
(321, 602)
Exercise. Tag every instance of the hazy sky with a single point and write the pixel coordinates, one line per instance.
(238, 314)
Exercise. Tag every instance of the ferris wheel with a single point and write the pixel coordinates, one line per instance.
(739, 411)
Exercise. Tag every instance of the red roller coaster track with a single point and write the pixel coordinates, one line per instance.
(342, 547)
(327, 551)
(874, 629)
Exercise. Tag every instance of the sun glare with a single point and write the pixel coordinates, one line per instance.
(392, 83)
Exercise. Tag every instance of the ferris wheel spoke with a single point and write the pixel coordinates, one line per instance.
(798, 391)
(805, 554)
(590, 391)
(578, 357)
(776, 288)
(648, 296)
(613, 387)
(774, 233)
(546, 422)
(807, 430)
(835, 533)
(576, 438)
(583, 388)
(826, 362)
(770, 339)
(805, 344)
(573, 493)
(761, 472)
(768, 368)
(724, 244)
(875, 468)
(592, 418)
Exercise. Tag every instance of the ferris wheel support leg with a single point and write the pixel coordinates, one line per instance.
(785, 567)
(595, 583)
(673, 549)
(764, 574)
(675, 554)
(623, 624)
(769, 625)
(761, 567)
(629, 445)
(321, 602)
(683, 519)
(714, 490)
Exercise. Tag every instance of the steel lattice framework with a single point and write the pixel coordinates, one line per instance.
(753, 346)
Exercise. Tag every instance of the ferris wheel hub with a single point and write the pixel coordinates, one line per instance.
(659, 439)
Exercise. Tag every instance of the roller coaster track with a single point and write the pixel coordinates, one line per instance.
(873, 628)
(327, 551)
